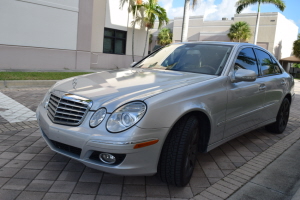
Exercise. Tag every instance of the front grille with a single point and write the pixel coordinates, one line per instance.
(68, 110)
(65, 147)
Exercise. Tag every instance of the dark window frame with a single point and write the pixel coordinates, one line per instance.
(114, 38)
(259, 64)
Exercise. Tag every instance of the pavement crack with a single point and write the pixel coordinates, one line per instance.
(278, 191)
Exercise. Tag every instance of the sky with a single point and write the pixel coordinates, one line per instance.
(216, 9)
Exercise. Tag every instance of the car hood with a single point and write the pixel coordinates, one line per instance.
(111, 89)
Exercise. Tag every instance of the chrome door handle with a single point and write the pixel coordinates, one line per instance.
(283, 83)
(262, 87)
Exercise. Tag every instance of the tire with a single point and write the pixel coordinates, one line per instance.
(281, 119)
(179, 153)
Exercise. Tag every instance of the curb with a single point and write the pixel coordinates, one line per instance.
(26, 83)
(228, 185)
(297, 195)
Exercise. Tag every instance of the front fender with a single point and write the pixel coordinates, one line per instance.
(209, 97)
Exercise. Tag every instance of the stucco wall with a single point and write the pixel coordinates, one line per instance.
(285, 35)
(36, 23)
(18, 57)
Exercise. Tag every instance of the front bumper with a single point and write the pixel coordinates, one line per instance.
(142, 161)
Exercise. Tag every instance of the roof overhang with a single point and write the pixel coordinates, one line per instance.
(292, 59)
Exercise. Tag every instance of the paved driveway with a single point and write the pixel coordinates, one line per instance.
(30, 170)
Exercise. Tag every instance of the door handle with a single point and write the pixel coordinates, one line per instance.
(283, 82)
(262, 87)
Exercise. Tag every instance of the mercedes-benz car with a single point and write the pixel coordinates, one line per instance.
(153, 117)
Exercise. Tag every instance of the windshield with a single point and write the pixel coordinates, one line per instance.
(196, 58)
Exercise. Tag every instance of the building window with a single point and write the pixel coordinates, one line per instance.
(114, 41)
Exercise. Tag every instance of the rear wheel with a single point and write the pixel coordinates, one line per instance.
(281, 119)
(179, 153)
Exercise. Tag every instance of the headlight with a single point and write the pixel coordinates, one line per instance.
(126, 116)
(97, 117)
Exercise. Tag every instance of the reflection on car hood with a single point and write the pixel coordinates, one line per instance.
(112, 89)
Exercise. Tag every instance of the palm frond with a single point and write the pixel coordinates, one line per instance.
(239, 31)
(242, 4)
(278, 3)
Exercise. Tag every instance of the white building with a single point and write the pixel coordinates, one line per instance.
(276, 33)
(67, 34)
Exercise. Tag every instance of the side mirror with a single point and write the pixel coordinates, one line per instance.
(132, 64)
(244, 75)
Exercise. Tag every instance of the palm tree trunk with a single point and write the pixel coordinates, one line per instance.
(146, 42)
(133, 30)
(185, 21)
(257, 24)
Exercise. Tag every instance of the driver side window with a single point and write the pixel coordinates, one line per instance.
(246, 60)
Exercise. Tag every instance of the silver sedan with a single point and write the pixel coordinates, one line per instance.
(154, 117)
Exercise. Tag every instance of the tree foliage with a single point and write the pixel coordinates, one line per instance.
(151, 12)
(165, 37)
(239, 31)
(296, 47)
(242, 4)
(296, 65)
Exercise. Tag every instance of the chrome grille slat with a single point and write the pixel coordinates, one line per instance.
(51, 112)
(63, 113)
(55, 100)
(66, 118)
(53, 104)
(72, 105)
(68, 110)
(52, 107)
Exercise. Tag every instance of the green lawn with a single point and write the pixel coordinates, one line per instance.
(38, 75)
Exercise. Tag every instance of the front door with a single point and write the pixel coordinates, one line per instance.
(245, 99)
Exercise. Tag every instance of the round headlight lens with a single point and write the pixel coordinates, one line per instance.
(97, 117)
(126, 116)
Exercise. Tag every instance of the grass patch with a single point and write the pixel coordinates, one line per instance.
(38, 75)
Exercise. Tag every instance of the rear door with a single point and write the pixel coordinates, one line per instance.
(245, 99)
(275, 83)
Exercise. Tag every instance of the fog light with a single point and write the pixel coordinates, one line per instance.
(107, 158)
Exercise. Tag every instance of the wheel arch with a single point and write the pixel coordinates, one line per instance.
(205, 127)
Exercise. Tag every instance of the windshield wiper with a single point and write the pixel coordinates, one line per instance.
(171, 66)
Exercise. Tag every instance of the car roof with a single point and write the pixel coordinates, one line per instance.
(220, 43)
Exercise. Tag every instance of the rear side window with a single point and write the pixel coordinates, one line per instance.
(267, 65)
(246, 60)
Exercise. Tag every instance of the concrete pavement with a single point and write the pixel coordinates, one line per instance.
(280, 180)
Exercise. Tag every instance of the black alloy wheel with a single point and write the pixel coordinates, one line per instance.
(179, 154)
(281, 119)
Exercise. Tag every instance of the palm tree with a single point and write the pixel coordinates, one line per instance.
(132, 8)
(186, 17)
(152, 12)
(239, 31)
(164, 37)
(241, 4)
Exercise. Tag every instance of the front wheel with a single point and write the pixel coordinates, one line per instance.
(179, 153)
(281, 119)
